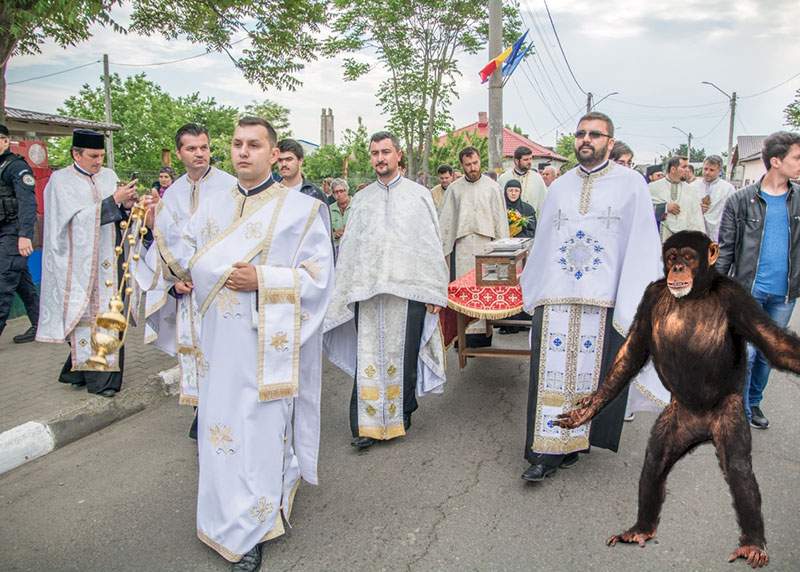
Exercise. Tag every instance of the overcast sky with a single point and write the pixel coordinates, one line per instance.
(655, 54)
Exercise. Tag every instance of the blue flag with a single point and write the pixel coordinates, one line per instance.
(512, 64)
(516, 52)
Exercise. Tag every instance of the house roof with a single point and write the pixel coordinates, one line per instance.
(511, 141)
(748, 147)
(21, 121)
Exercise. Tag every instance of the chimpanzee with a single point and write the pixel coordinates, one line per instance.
(695, 324)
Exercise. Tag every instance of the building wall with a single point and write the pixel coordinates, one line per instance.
(748, 172)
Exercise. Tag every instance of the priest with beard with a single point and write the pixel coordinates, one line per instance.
(596, 250)
(473, 215)
(382, 327)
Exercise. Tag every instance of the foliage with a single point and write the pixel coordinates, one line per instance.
(150, 117)
(792, 112)
(417, 42)
(698, 154)
(330, 160)
(517, 129)
(282, 35)
(275, 113)
(447, 153)
(565, 146)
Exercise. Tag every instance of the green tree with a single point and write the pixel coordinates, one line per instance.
(447, 153)
(698, 154)
(417, 42)
(792, 112)
(565, 146)
(150, 118)
(275, 113)
(282, 35)
(350, 159)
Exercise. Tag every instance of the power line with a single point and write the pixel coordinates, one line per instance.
(633, 103)
(525, 109)
(153, 64)
(560, 47)
(717, 124)
(54, 73)
(776, 86)
(538, 90)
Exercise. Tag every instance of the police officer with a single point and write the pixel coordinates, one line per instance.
(17, 219)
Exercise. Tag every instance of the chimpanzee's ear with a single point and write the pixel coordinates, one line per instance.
(713, 253)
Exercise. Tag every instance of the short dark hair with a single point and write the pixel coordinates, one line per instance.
(714, 160)
(522, 151)
(291, 146)
(620, 148)
(381, 135)
(675, 161)
(250, 120)
(168, 170)
(468, 151)
(777, 145)
(189, 129)
(444, 169)
(596, 115)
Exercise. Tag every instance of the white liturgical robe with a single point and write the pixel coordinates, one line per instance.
(597, 245)
(78, 260)
(173, 212)
(390, 255)
(690, 217)
(258, 357)
(718, 192)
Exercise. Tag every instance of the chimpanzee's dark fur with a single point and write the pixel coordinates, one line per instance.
(698, 345)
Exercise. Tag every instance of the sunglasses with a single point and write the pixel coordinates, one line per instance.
(592, 134)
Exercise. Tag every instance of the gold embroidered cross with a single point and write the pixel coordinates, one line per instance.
(209, 230)
(261, 509)
(253, 230)
(219, 435)
(280, 341)
(370, 371)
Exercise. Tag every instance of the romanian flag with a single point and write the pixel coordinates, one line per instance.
(490, 68)
(518, 54)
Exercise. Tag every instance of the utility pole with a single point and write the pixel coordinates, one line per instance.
(730, 137)
(689, 138)
(589, 103)
(732, 100)
(496, 86)
(107, 83)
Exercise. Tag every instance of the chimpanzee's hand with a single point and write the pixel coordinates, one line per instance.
(584, 410)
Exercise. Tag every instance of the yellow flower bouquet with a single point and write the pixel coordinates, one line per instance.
(516, 222)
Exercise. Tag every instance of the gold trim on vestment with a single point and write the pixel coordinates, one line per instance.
(573, 300)
(369, 393)
(264, 246)
(164, 252)
(382, 433)
(184, 399)
(588, 183)
(483, 314)
(228, 555)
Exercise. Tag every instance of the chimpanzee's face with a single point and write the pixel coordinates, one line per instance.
(684, 264)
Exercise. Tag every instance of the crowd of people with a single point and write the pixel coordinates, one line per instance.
(248, 278)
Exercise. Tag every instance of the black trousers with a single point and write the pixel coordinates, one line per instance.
(95, 381)
(415, 321)
(16, 278)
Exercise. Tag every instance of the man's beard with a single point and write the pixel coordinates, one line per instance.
(589, 160)
(472, 177)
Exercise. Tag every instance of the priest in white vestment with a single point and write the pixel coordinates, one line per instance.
(159, 269)
(473, 215)
(382, 326)
(596, 250)
(713, 191)
(534, 189)
(261, 267)
(682, 205)
(80, 270)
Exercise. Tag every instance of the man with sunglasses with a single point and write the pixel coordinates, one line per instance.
(596, 250)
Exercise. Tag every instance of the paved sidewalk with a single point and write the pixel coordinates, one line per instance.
(29, 387)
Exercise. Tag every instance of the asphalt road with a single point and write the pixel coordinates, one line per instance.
(446, 497)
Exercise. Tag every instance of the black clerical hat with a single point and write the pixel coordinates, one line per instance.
(87, 139)
(4, 131)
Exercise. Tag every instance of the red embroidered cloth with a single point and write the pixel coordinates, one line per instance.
(478, 302)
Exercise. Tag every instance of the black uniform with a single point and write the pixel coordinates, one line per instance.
(17, 219)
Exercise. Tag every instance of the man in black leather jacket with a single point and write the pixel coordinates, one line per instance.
(760, 247)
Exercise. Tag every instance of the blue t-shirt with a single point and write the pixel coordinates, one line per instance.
(772, 275)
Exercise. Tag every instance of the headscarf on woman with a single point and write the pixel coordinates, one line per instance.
(521, 207)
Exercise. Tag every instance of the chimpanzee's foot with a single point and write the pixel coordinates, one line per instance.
(756, 556)
(632, 535)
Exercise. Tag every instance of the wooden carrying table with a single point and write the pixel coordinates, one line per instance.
(466, 301)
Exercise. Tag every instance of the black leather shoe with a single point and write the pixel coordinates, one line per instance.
(536, 473)
(757, 418)
(250, 562)
(407, 421)
(362, 443)
(569, 461)
(27, 336)
(108, 392)
(193, 429)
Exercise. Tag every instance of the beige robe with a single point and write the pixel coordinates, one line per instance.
(691, 215)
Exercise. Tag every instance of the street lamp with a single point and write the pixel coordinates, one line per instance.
(732, 101)
(689, 145)
(590, 104)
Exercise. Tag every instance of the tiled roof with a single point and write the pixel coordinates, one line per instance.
(511, 141)
(49, 118)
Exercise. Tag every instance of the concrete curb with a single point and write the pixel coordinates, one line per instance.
(34, 439)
